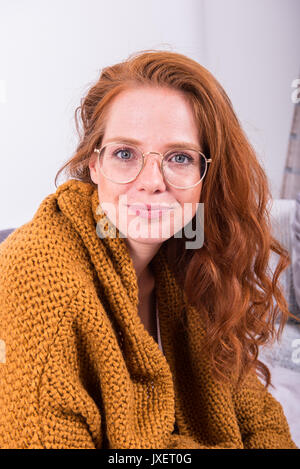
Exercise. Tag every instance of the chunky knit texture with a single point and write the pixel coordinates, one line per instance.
(81, 370)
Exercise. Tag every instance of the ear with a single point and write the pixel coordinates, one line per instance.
(93, 167)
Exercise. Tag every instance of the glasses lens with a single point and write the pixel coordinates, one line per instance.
(120, 162)
(184, 168)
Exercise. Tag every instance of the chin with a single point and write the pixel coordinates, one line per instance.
(145, 240)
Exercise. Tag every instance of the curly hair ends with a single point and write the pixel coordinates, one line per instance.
(237, 296)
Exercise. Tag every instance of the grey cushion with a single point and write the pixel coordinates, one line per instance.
(282, 217)
(5, 233)
(282, 357)
(281, 353)
(296, 250)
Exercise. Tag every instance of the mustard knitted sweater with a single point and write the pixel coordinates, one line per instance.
(80, 369)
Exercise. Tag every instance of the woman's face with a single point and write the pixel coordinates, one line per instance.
(155, 117)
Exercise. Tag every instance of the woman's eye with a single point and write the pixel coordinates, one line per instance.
(181, 158)
(123, 154)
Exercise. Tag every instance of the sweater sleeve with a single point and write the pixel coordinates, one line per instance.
(261, 419)
(262, 422)
(44, 404)
(45, 400)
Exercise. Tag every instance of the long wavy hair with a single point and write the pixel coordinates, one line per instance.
(228, 279)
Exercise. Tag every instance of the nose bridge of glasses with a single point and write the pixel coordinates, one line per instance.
(154, 153)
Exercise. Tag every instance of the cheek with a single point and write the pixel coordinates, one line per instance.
(107, 191)
(109, 196)
(189, 201)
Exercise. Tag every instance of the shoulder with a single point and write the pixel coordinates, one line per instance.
(40, 278)
(42, 256)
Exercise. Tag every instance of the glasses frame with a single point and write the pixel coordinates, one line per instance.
(162, 155)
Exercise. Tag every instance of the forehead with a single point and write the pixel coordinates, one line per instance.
(146, 112)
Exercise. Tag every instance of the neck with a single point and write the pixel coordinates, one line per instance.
(142, 254)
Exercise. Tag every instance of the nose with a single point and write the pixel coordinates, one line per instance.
(151, 177)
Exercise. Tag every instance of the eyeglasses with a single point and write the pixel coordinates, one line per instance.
(182, 168)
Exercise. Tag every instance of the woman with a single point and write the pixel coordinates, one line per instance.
(118, 333)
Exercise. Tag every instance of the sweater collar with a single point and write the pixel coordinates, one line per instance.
(111, 258)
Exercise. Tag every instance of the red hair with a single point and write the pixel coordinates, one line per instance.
(235, 289)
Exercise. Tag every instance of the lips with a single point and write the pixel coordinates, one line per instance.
(149, 211)
(150, 207)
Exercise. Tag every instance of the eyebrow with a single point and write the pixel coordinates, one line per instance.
(133, 141)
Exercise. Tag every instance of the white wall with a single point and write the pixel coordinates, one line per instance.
(52, 51)
(253, 48)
